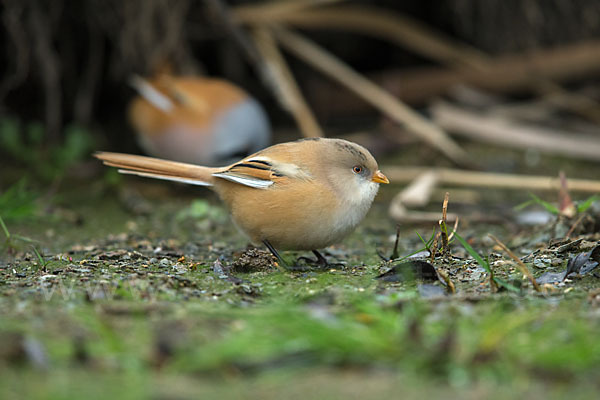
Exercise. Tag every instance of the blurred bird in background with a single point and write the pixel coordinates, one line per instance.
(197, 120)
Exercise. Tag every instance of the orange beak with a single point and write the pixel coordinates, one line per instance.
(379, 177)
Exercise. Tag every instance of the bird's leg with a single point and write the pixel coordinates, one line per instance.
(282, 261)
(275, 253)
(321, 261)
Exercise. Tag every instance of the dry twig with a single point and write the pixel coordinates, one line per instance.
(498, 130)
(522, 267)
(419, 178)
(271, 11)
(418, 192)
(286, 87)
(574, 226)
(457, 177)
(336, 69)
(443, 225)
(411, 34)
(434, 246)
(506, 74)
(380, 23)
(443, 276)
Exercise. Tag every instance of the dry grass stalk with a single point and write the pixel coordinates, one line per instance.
(411, 34)
(565, 204)
(380, 23)
(443, 276)
(271, 11)
(418, 176)
(399, 212)
(383, 100)
(457, 177)
(574, 226)
(289, 93)
(418, 192)
(508, 73)
(444, 226)
(454, 229)
(498, 130)
(522, 267)
(395, 253)
(434, 247)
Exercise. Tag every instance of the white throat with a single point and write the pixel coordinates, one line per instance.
(355, 202)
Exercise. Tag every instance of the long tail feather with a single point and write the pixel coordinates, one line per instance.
(159, 169)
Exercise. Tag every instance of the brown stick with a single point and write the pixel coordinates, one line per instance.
(434, 247)
(506, 73)
(411, 34)
(400, 174)
(287, 88)
(400, 213)
(336, 69)
(274, 10)
(443, 276)
(575, 225)
(444, 226)
(498, 130)
(381, 23)
(522, 267)
(222, 12)
(418, 193)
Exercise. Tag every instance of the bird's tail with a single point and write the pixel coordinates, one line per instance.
(159, 169)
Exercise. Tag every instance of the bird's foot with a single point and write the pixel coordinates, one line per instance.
(320, 262)
(302, 263)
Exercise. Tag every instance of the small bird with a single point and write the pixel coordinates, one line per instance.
(197, 120)
(302, 195)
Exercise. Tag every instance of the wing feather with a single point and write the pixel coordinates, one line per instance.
(258, 172)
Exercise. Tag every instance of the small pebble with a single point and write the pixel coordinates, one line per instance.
(165, 262)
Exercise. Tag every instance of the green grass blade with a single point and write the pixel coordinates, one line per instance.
(506, 285)
(39, 256)
(583, 207)
(549, 207)
(5, 229)
(523, 205)
(473, 253)
(422, 240)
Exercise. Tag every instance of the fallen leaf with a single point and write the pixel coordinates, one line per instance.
(408, 270)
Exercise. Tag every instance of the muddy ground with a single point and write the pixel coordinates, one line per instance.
(114, 286)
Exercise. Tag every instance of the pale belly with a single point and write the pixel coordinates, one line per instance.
(301, 217)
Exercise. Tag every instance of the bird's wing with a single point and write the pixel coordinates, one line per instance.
(151, 93)
(260, 172)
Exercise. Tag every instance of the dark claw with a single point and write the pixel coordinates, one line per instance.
(320, 262)
(382, 256)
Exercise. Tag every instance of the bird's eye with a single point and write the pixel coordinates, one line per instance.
(357, 169)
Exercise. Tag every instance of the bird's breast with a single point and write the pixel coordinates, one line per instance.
(300, 215)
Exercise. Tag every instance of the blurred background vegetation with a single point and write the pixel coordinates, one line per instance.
(65, 63)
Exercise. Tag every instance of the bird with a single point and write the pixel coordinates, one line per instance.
(197, 120)
(302, 195)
